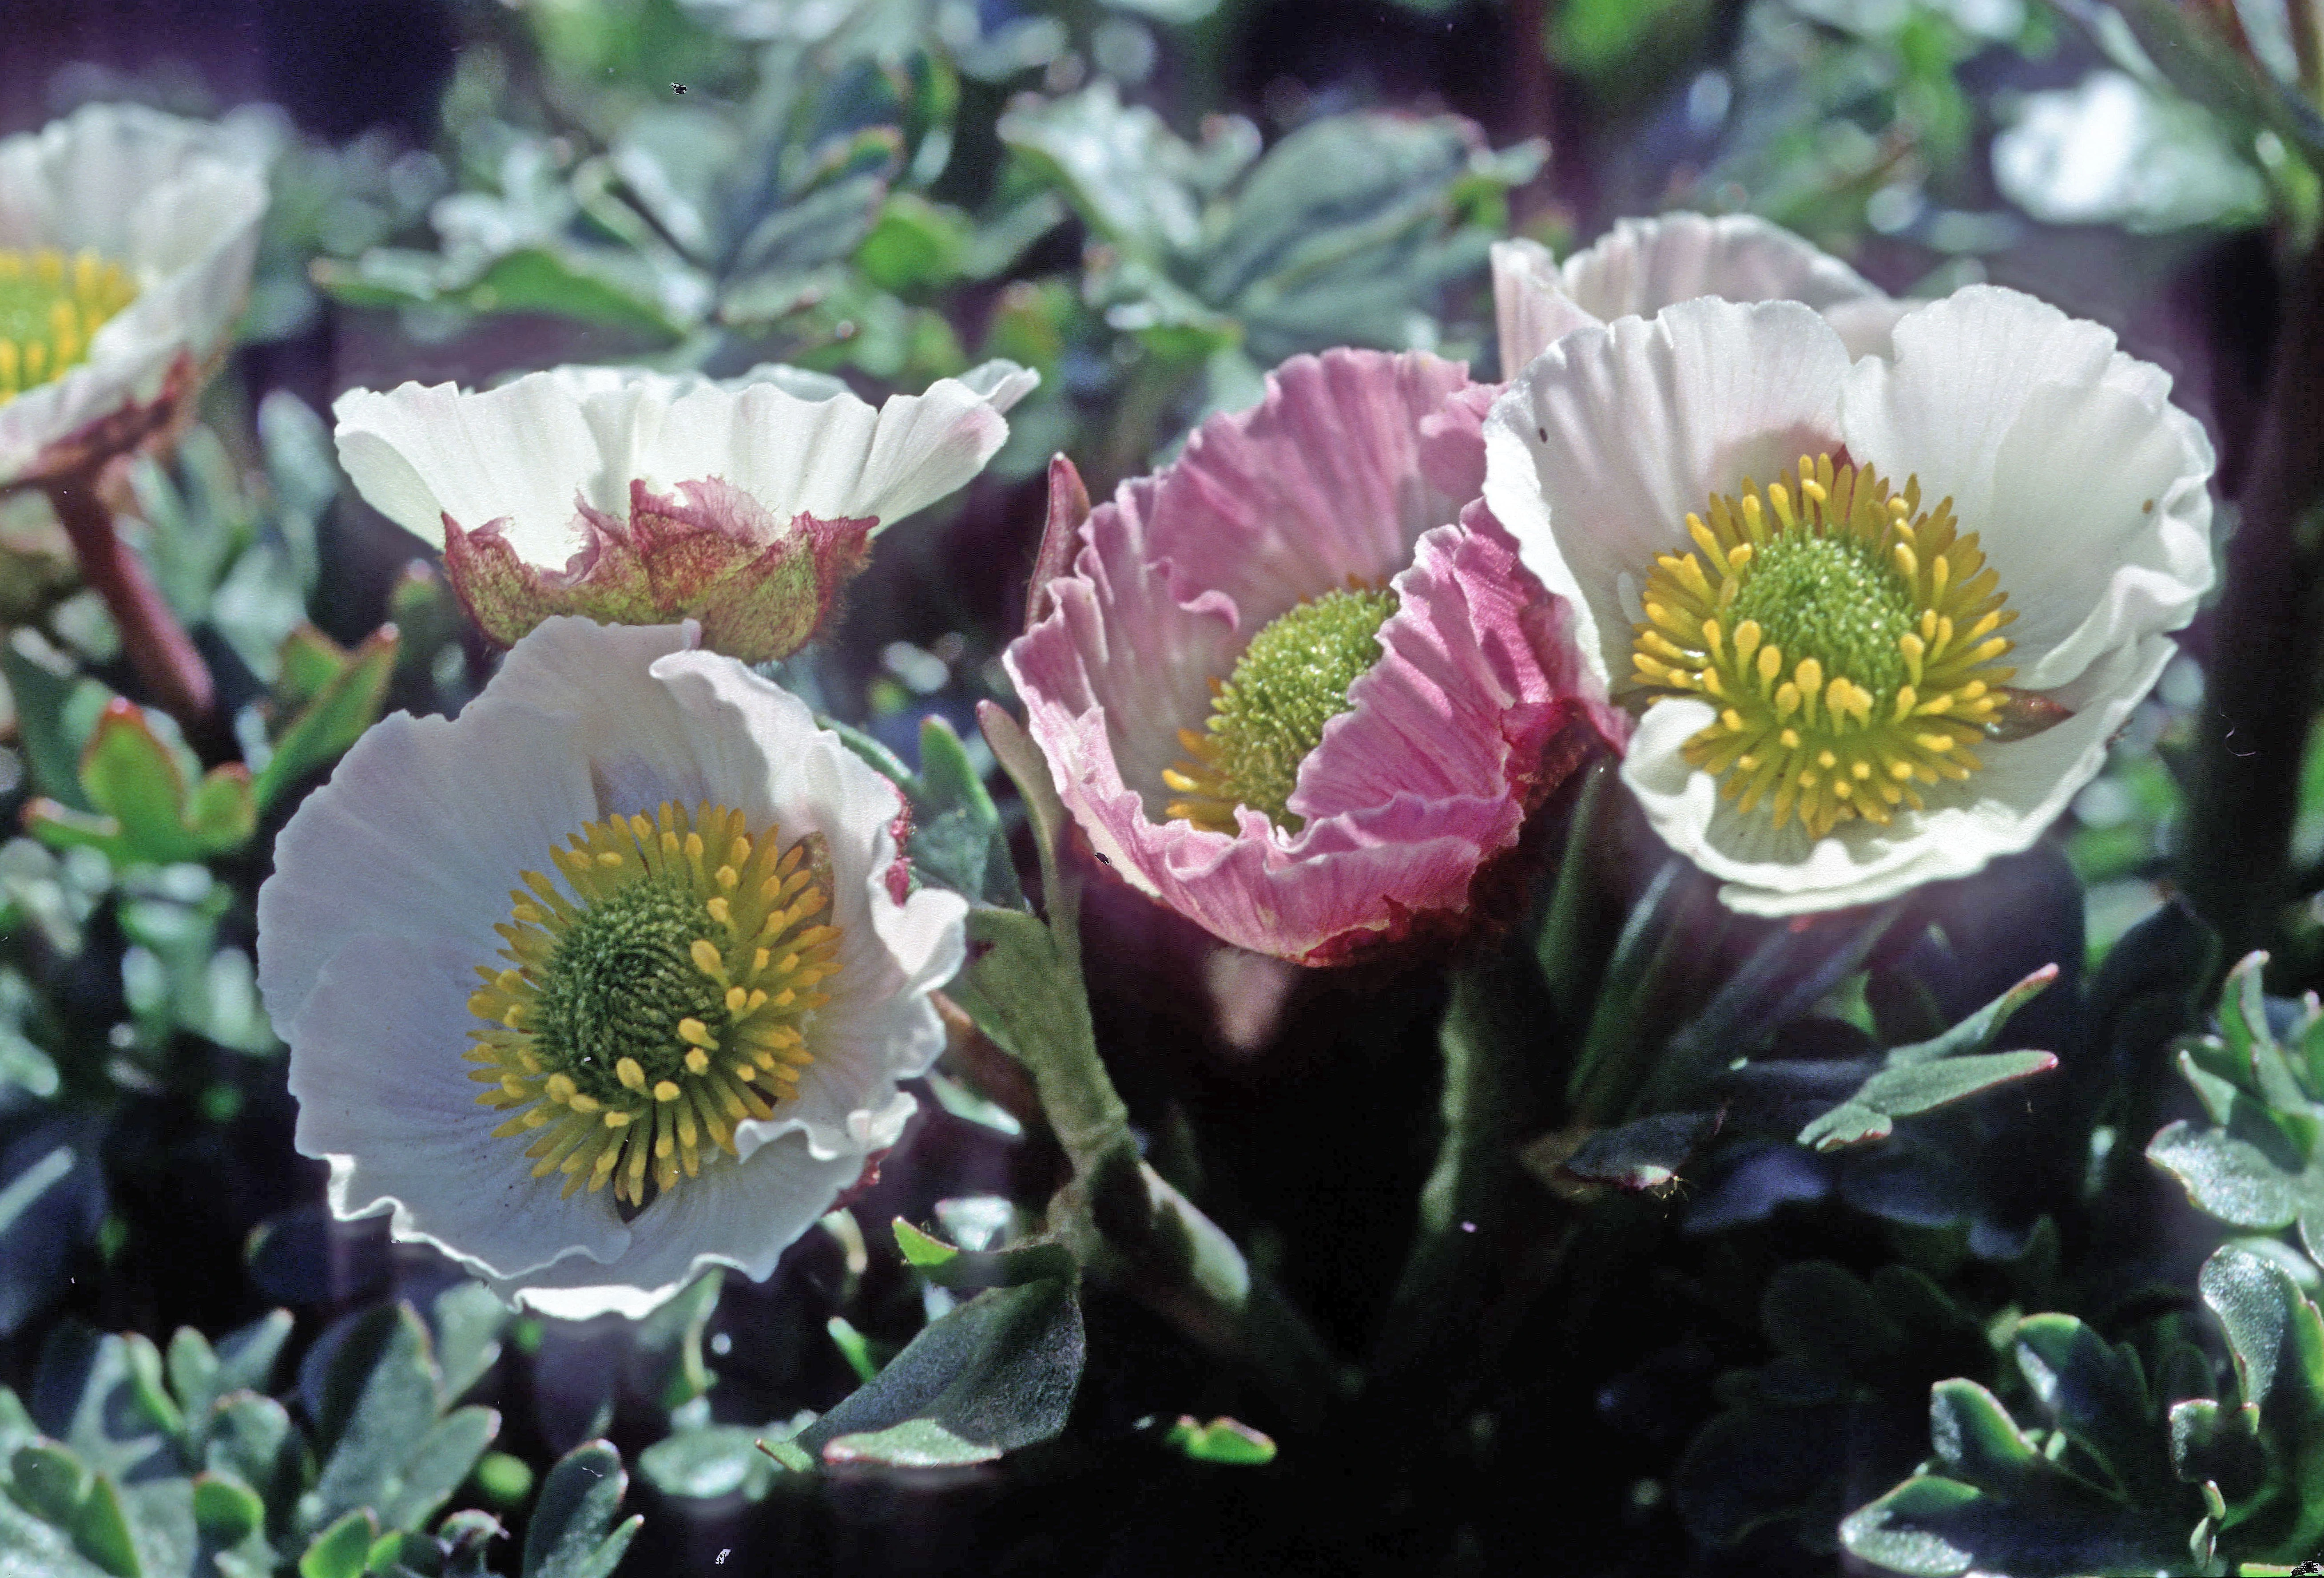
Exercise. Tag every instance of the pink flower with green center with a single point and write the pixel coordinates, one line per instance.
(1297, 685)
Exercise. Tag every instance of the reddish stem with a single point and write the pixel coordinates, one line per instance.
(159, 649)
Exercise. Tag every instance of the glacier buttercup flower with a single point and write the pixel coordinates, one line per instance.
(1879, 614)
(126, 238)
(1292, 687)
(640, 498)
(607, 981)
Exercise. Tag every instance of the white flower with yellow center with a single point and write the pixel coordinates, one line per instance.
(1879, 616)
(126, 237)
(608, 980)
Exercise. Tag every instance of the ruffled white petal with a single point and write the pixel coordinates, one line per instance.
(2002, 809)
(2087, 490)
(384, 1097)
(176, 203)
(794, 441)
(411, 850)
(420, 836)
(1641, 267)
(1598, 450)
(744, 1217)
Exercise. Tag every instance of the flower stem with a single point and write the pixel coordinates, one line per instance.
(1123, 1219)
(160, 650)
(2268, 643)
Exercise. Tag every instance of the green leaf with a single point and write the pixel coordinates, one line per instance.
(382, 1443)
(572, 1534)
(1924, 1076)
(957, 836)
(468, 1318)
(57, 709)
(342, 1550)
(948, 1266)
(136, 782)
(1136, 182)
(226, 1510)
(2226, 1177)
(1644, 1153)
(1221, 1441)
(340, 709)
(996, 1374)
(2262, 1166)
(714, 1461)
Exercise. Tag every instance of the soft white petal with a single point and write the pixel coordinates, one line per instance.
(2002, 809)
(1641, 267)
(2088, 492)
(794, 441)
(1531, 307)
(1595, 453)
(833, 457)
(384, 1097)
(518, 453)
(1963, 369)
(742, 1215)
(421, 832)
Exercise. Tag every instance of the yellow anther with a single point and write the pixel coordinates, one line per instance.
(721, 911)
(694, 1033)
(666, 1090)
(697, 1061)
(631, 1073)
(706, 958)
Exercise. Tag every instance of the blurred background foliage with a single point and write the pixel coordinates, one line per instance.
(1640, 1243)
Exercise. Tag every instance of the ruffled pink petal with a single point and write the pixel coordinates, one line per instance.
(1319, 483)
(1453, 441)
(1467, 721)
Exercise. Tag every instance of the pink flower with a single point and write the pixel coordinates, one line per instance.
(1214, 612)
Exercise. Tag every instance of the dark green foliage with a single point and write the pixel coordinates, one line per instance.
(2260, 1164)
(2124, 1473)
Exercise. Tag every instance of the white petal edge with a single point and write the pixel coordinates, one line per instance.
(1641, 267)
(794, 441)
(2089, 491)
(2003, 809)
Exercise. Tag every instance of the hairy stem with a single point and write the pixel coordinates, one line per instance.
(164, 656)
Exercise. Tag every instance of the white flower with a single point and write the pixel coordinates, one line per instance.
(642, 497)
(631, 909)
(1954, 639)
(1642, 265)
(126, 238)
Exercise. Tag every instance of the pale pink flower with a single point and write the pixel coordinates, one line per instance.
(1462, 725)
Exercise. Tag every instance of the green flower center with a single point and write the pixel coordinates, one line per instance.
(1269, 714)
(1831, 599)
(658, 1000)
(622, 980)
(51, 306)
(1845, 638)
